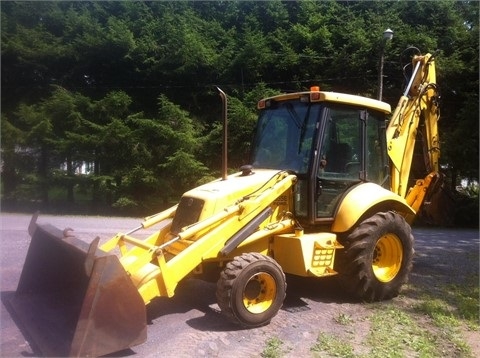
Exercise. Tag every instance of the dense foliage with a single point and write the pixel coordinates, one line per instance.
(114, 103)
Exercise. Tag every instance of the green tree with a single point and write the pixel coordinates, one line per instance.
(15, 162)
(134, 81)
(183, 171)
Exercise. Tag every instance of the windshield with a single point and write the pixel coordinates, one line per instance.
(284, 136)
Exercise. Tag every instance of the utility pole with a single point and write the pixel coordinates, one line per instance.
(387, 36)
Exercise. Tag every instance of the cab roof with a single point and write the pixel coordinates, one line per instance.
(334, 97)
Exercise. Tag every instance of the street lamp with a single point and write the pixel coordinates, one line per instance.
(387, 36)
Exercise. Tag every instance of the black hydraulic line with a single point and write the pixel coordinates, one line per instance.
(245, 232)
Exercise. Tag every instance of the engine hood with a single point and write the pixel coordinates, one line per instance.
(219, 194)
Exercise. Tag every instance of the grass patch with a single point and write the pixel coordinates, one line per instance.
(449, 318)
(398, 332)
(343, 319)
(395, 333)
(439, 311)
(456, 308)
(273, 348)
(334, 346)
(465, 299)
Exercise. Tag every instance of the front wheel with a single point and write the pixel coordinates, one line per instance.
(251, 289)
(377, 257)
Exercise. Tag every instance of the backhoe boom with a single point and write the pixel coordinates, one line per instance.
(415, 117)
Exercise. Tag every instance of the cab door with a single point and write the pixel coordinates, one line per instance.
(352, 150)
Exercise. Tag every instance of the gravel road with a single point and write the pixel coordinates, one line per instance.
(189, 324)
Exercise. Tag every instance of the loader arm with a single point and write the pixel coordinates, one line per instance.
(157, 264)
(416, 116)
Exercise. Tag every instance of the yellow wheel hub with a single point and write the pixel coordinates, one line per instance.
(259, 292)
(387, 257)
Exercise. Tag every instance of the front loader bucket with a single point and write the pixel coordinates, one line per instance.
(75, 300)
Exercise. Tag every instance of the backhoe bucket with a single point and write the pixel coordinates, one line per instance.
(75, 300)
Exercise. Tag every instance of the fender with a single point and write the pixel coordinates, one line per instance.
(364, 197)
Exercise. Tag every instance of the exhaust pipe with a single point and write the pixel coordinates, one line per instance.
(225, 134)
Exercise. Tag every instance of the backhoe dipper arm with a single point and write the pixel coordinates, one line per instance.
(418, 107)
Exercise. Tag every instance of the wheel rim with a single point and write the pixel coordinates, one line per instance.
(259, 292)
(387, 257)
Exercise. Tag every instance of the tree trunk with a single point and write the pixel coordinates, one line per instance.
(43, 177)
(70, 181)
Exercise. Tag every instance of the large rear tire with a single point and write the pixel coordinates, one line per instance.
(377, 257)
(251, 289)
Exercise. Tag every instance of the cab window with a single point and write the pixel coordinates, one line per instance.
(351, 151)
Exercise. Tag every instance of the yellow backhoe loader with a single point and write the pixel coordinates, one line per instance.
(331, 190)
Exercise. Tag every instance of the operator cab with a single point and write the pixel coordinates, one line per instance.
(331, 141)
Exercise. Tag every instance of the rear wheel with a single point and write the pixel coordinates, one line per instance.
(377, 257)
(251, 289)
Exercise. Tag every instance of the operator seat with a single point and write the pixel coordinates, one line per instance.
(339, 155)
